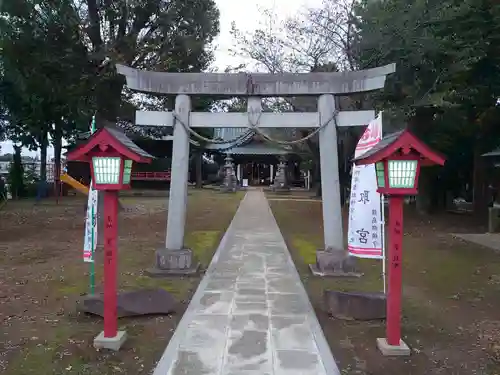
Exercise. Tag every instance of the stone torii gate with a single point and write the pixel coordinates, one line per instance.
(175, 258)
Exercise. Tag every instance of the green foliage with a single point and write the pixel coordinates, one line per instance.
(30, 175)
(397, 31)
(446, 53)
(57, 60)
(41, 85)
(16, 175)
(447, 81)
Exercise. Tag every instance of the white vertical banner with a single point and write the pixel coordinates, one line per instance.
(365, 228)
(90, 237)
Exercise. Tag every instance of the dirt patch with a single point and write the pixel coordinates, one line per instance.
(450, 297)
(42, 276)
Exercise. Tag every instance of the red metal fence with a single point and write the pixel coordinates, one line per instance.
(151, 176)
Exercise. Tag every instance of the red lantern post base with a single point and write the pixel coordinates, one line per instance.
(110, 343)
(392, 350)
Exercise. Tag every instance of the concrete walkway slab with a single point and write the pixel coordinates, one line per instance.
(250, 314)
(490, 240)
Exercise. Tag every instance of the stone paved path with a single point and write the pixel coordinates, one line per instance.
(250, 314)
(491, 240)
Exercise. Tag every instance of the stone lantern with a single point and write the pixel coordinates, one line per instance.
(230, 183)
(280, 183)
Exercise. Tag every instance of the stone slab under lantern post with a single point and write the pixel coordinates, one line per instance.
(254, 86)
(110, 154)
(398, 158)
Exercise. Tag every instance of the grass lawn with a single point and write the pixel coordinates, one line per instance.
(451, 297)
(42, 275)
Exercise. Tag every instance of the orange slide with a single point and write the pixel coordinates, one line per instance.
(67, 179)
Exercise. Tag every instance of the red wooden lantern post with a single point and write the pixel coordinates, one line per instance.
(110, 154)
(397, 158)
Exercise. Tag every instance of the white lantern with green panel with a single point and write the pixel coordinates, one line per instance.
(397, 175)
(402, 174)
(111, 172)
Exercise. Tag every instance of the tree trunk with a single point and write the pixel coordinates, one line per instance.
(317, 179)
(108, 96)
(316, 169)
(199, 169)
(16, 174)
(346, 153)
(43, 155)
(57, 157)
(425, 191)
(480, 201)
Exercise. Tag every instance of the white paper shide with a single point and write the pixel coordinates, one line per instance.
(90, 237)
(365, 236)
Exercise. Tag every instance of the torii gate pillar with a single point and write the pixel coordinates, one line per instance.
(330, 184)
(175, 258)
(333, 260)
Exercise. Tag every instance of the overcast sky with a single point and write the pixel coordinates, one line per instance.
(247, 16)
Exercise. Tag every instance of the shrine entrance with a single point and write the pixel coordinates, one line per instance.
(174, 258)
(258, 174)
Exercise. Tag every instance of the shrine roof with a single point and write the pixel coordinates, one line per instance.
(258, 149)
(240, 144)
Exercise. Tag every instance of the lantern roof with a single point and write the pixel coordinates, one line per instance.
(109, 137)
(495, 152)
(392, 143)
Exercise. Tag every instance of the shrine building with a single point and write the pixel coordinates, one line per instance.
(255, 159)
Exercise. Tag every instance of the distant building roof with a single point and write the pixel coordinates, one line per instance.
(24, 158)
(133, 131)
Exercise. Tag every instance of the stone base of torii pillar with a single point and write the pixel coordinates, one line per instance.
(174, 263)
(334, 263)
